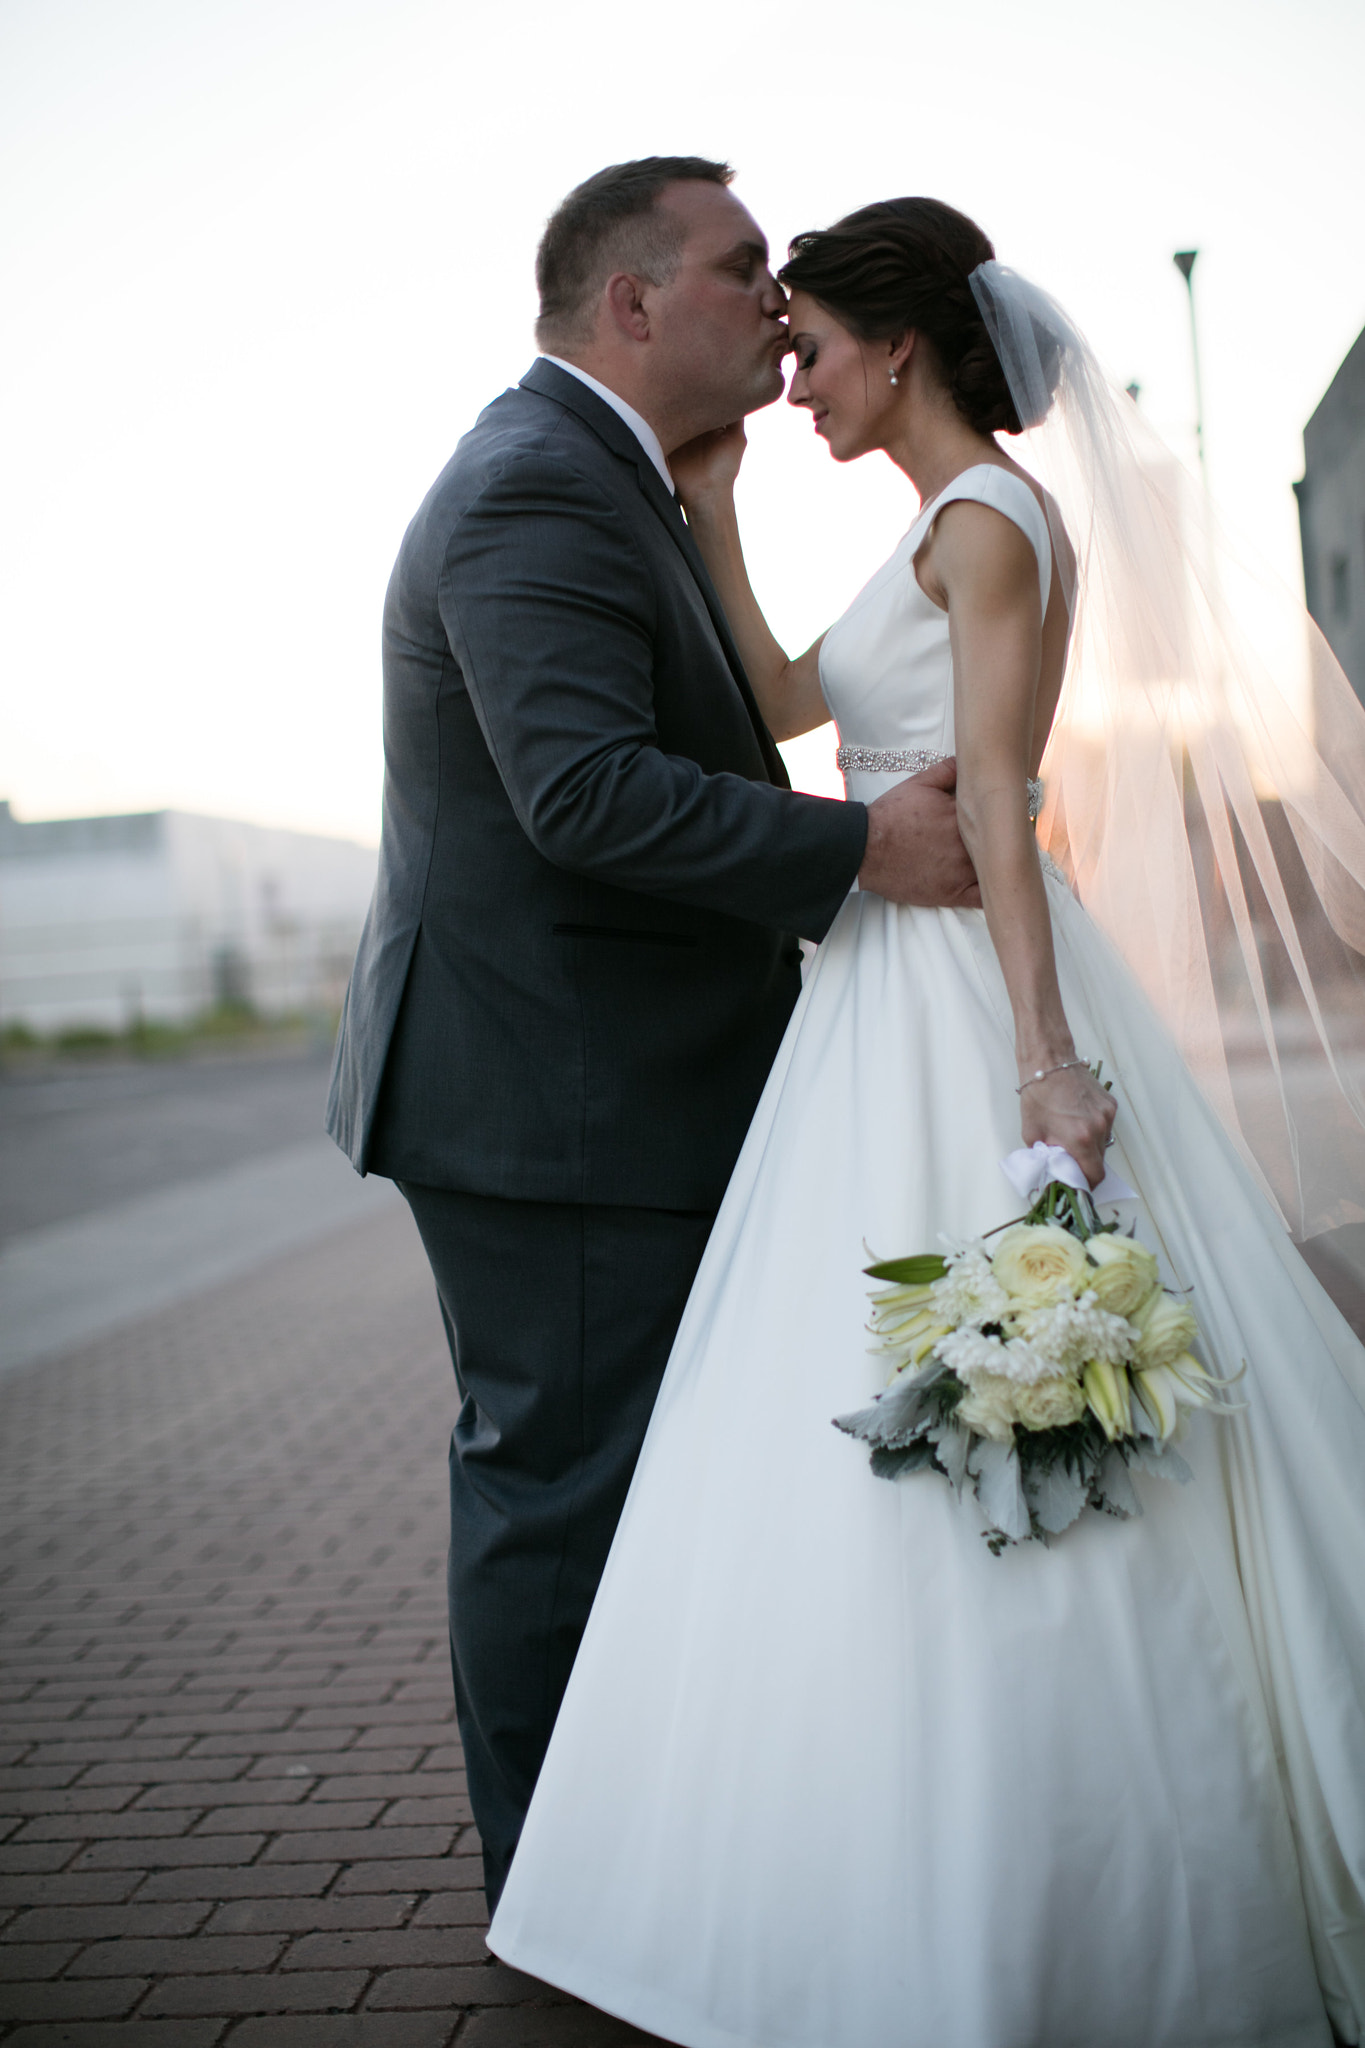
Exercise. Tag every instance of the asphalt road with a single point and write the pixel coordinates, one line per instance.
(78, 1138)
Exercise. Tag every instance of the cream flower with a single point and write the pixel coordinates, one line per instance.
(1070, 1332)
(1127, 1273)
(1052, 1404)
(1039, 1262)
(989, 1407)
(1165, 1329)
(969, 1291)
(971, 1355)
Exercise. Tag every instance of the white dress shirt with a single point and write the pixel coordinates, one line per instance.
(641, 428)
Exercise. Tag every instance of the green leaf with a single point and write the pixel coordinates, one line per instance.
(916, 1272)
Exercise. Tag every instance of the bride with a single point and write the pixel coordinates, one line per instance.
(828, 1771)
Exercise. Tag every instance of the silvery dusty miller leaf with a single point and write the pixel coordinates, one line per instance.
(1057, 1497)
(953, 1443)
(999, 1487)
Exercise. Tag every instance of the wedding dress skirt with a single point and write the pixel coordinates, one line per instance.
(828, 1772)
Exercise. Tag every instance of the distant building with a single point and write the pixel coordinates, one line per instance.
(1332, 515)
(162, 915)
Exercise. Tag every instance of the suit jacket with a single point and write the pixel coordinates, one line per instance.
(581, 954)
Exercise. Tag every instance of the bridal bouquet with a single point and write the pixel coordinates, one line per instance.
(1040, 1371)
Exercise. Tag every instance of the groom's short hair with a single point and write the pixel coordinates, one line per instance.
(611, 222)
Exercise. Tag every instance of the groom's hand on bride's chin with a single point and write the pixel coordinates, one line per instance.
(914, 850)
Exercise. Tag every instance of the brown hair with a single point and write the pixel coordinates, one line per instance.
(612, 221)
(902, 264)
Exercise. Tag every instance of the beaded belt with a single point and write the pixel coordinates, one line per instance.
(911, 761)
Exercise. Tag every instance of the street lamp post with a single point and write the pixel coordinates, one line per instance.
(1184, 263)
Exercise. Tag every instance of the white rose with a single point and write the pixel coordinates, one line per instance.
(1127, 1273)
(989, 1408)
(1040, 1262)
(1052, 1404)
(1165, 1328)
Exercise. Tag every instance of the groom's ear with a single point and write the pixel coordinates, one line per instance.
(625, 304)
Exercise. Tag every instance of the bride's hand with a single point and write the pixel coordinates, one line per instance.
(708, 466)
(1072, 1110)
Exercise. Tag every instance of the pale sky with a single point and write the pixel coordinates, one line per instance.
(265, 260)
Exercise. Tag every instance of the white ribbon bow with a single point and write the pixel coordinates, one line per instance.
(1029, 1170)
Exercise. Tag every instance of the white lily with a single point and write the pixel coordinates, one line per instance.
(1160, 1391)
(1106, 1393)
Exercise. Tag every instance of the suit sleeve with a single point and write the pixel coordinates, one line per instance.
(550, 613)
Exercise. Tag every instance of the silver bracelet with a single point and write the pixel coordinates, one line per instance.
(1043, 1073)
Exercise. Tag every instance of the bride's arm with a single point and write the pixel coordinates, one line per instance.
(787, 692)
(985, 569)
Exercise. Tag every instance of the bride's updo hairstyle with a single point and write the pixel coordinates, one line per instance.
(901, 264)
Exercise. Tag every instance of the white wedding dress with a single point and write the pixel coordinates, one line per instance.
(828, 1773)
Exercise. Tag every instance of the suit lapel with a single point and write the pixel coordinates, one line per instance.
(551, 382)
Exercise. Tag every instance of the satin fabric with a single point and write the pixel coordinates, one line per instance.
(827, 1770)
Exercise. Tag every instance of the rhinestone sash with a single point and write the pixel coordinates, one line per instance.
(911, 761)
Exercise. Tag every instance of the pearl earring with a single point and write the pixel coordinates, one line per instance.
(894, 378)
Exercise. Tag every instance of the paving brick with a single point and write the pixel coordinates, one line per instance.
(483, 1984)
(105, 1923)
(23, 1960)
(382, 1736)
(337, 1702)
(452, 1909)
(357, 1842)
(238, 1529)
(217, 1798)
(444, 1757)
(431, 1785)
(124, 1827)
(30, 1727)
(169, 1854)
(83, 1800)
(283, 1742)
(307, 1916)
(110, 2000)
(262, 1722)
(448, 1809)
(349, 2030)
(119, 2034)
(409, 1874)
(278, 1816)
(33, 1858)
(300, 1991)
(322, 1761)
(375, 1949)
(201, 1955)
(282, 1880)
(180, 1770)
(554, 2026)
(34, 1777)
(68, 1887)
(129, 1749)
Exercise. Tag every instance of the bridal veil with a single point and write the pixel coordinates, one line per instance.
(1205, 777)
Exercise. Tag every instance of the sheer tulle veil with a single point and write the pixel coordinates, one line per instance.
(1205, 775)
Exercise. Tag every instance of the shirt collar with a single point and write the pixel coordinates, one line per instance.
(639, 426)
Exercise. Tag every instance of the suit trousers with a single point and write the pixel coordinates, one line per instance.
(560, 1318)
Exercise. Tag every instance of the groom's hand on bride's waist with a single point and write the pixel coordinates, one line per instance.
(914, 850)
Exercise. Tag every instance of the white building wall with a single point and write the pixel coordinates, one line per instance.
(163, 915)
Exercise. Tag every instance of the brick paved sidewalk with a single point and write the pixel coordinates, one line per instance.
(232, 1803)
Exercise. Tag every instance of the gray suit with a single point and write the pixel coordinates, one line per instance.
(578, 965)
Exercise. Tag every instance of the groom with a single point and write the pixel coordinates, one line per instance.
(582, 951)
